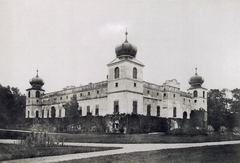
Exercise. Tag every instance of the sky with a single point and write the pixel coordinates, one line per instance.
(71, 42)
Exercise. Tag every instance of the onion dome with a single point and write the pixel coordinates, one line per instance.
(126, 49)
(36, 82)
(196, 80)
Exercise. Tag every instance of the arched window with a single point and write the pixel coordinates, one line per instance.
(37, 114)
(174, 112)
(135, 73)
(195, 93)
(29, 94)
(185, 115)
(203, 94)
(53, 112)
(149, 110)
(116, 73)
(158, 110)
(37, 94)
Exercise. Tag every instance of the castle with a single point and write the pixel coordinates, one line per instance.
(124, 91)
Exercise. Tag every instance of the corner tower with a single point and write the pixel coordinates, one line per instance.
(199, 93)
(33, 100)
(125, 81)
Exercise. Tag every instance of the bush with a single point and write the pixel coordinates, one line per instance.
(210, 129)
(236, 130)
(187, 131)
(176, 131)
(223, 130)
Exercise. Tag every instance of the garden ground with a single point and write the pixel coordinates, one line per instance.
(145, 149)
(129, 138)
(220, 154)
(150, 144)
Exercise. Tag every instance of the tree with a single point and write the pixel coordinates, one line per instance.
(217, 107)
(72, 108)
(235, 105)
(12, 105)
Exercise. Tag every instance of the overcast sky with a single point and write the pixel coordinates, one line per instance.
(72, 41)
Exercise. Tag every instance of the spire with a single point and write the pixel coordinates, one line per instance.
(126, 33)
(196, 71)
(37, 72)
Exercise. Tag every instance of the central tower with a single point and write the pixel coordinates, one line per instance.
(125, 81)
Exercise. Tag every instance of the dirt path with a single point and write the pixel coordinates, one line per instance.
(126, 148)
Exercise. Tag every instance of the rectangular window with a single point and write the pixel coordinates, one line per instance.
(80, 94)
(149, 110)
(116, 84)
(60, 98)
(88, 109)
(135, 84)
(174, 112)
(80, 111)
(88, 93)
(116, 107)
(158, 111)
(66, 97)
(97, 92)
(195, 101)
(134, 107)
(97, 110)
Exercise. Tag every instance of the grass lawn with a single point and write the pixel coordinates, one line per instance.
(16, 151)
(146, 138)
(130, 138)
(220, 154)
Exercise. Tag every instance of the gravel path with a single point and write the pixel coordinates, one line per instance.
(126, 148)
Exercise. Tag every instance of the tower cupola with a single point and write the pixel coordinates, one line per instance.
(126, 49)
(36, 82)
(196, 80)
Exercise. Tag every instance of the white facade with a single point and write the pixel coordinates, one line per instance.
(123, 92)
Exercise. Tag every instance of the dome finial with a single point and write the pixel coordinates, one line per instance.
(126, 33)
(37, 71)
(196, 71)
